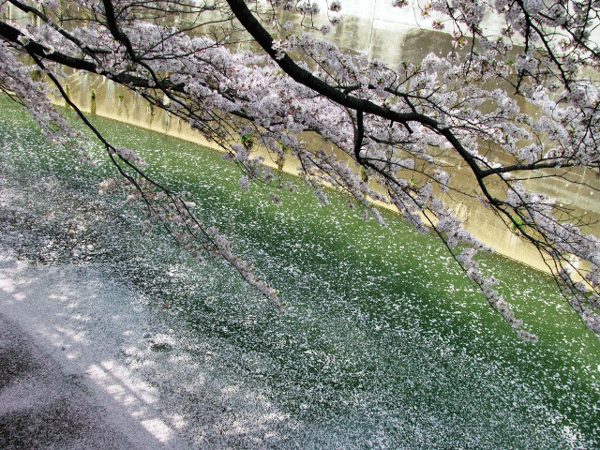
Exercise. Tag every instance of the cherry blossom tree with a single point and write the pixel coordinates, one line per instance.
(511, 106)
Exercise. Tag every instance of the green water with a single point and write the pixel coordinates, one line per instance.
(384, 343)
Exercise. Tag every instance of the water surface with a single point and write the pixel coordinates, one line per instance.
(384, 343)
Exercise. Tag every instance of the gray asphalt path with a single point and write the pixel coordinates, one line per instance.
(41, 407)
(62, 385)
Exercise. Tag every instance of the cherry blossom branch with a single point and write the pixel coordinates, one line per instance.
(210, 241)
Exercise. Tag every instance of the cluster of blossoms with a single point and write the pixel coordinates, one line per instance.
(19, 82)
(176, 212)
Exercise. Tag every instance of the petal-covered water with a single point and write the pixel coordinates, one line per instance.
(383, 344)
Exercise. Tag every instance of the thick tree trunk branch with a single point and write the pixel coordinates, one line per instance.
(304, 77)
(12, 35)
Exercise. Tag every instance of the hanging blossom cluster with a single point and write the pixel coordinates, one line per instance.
(175, 210)
(566, 243)
(17, 81)
(504, 108)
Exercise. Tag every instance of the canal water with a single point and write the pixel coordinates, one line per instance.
(384, 344)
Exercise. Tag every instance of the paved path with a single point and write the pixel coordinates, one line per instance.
(42, 407)
(60, 387)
